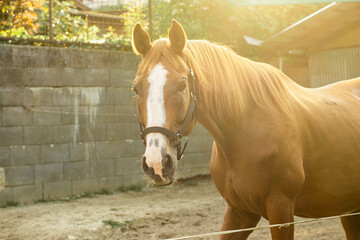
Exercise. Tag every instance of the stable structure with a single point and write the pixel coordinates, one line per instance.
(103, 20)
(322, 48)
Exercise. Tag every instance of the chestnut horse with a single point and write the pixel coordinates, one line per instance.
(279, 149)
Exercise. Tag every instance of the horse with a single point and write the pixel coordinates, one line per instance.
(280, 150)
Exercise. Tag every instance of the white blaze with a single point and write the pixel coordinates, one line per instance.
(156, 117)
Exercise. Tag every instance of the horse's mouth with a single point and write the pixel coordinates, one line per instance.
(162, 183)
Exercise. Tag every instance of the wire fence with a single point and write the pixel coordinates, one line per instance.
(81, 23)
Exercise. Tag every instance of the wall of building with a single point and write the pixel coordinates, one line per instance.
(68, 124)
(329, 66)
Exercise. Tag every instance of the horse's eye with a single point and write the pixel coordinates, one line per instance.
(134, 89)
(182, 86)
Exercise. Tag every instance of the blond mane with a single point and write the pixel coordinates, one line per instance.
(225, 82)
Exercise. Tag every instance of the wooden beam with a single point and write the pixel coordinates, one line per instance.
(278, 2)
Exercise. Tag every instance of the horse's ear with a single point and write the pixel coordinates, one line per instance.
(140, 41)
(177, 36)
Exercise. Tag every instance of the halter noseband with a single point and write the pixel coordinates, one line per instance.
(176, 137)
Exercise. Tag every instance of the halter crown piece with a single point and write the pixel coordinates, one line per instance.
(176, 137)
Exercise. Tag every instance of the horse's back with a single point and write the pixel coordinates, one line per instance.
(330, 132)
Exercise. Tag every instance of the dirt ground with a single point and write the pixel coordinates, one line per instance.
(188, 208)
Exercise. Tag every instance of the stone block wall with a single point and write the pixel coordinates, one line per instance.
(68, 124)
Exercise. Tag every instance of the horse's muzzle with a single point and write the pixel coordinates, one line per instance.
(163, 177)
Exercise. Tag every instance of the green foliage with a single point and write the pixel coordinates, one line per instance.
(10, 204)
(222, 22)
(115, 224)
(104, 191)
(217, 20)
(134, 14)
(133, 188)
(66, 25)
(19, 18)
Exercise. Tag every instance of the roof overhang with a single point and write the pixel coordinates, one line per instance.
(317, 27)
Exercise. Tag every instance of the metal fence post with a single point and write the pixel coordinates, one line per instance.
(50, 20)
(150, 17)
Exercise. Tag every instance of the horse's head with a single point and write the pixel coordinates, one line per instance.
(165, 103)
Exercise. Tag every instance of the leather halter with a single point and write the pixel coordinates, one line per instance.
(176, 137)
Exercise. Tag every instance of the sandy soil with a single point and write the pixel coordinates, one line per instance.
(154, 213)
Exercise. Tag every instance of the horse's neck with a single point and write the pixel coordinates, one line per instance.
(225, 129)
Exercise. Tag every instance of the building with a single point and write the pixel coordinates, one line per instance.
(322, 48)
(103, 20)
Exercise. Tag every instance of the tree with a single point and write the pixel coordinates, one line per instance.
(19, 17)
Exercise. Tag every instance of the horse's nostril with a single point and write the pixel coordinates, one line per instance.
(148, 170)
(168, 163)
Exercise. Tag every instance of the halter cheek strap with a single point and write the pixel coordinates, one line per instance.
(176, 137)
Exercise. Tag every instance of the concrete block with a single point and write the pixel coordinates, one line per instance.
(85, 185)
(66, 134)
(101, 114)
(111, 183)
(196, 160)
(11, 136)
(96, 58)
(102, 168)
(46, 116)
(130, 61)
(22, 175)
(66, 96)
(192, 172)
(12, 76)
(136, 180)
(38, 135)
(5, 157)
(38, 96)
(56, 57)
(25, 155)
(28, 194)
(70, 77)
(6, 195)
(116, 59)
(37, 57)
(57, 190)
(93, 132)
(97, 77)
(128, 109)
(132, 148)
(47, 57)
(63, 57)
(19, 56)
(200, 131)
(5, 55)
(79, 152)
(117, 96)
(54, 153)
(108, 149)
(122, 131)
(49, 173)
(76, 58)
(199, 144)
(93, 96)
(128, 165)
(2, 179)
(76, 170)
(16, 116)
(11, 96)
(75, 115)
(122, 78)
(42, 77)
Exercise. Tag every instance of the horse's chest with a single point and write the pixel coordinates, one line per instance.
(240, 191)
